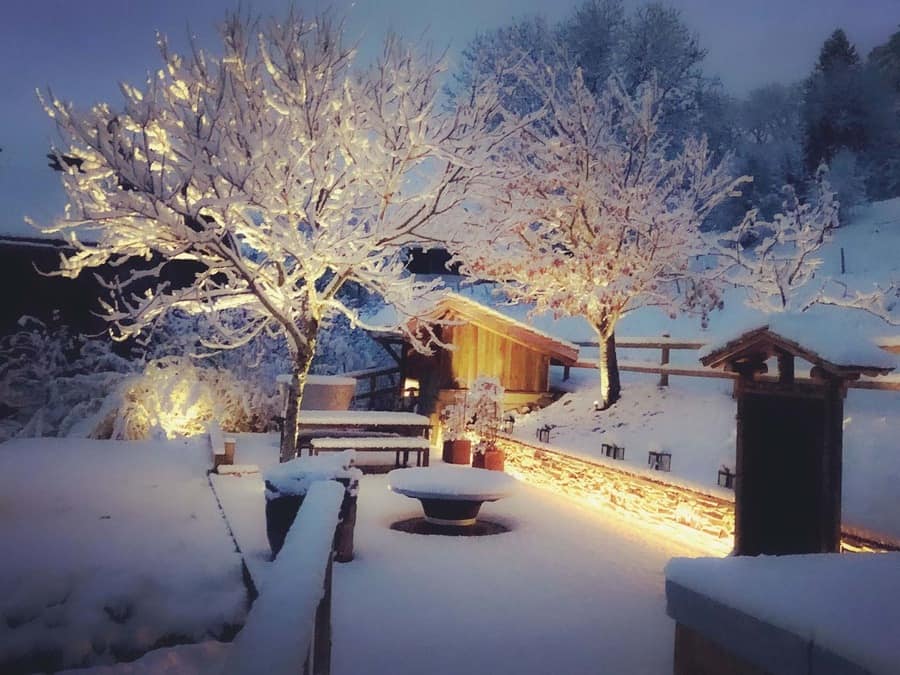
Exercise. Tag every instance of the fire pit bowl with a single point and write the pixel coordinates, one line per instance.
(451, 495)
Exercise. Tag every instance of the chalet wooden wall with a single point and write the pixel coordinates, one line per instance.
(481, 351)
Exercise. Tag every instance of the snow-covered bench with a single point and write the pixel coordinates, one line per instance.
(397, 444)
(222, 448)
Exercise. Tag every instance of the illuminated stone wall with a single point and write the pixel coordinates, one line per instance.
(700, 519)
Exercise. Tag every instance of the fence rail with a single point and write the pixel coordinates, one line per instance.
(288, 629)
(664, 369)
(373, 392)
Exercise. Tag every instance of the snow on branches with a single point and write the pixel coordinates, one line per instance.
(783, 259)
(598, 215)
(276, 168)
(597, 212)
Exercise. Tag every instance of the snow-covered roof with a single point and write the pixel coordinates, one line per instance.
(478, 313)
(828, 339)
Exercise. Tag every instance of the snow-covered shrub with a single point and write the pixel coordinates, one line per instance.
(56, 383)
(475, 412)
(174, 397)
(342, 348)
(53, 382)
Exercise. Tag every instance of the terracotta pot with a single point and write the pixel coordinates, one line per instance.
(477, 460)
(457, 452)
(494, 460)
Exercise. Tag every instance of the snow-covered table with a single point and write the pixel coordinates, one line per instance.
(451, 495)
(364, 424)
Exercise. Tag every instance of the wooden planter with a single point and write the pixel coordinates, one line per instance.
(494, 460)
(457, 452)
(281, 511)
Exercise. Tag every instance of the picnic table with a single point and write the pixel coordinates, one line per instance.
(365, 430)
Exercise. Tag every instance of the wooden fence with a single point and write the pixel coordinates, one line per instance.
(380, 384)
(288, 629)
(664, 368)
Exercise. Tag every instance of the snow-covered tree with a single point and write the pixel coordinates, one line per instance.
(783, 257)
(598, 213)
(277, 169)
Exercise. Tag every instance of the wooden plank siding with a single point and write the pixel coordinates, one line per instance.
(484, 352)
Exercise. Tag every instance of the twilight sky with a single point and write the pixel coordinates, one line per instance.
(83, 48)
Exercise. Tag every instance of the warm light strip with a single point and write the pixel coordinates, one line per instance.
(701, 521)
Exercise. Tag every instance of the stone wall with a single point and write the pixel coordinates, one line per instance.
(701, 519)
(704, 520)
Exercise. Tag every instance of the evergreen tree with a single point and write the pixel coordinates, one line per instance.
(834, 107)
(837, 53)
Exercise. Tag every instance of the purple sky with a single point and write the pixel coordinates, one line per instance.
(84, 48)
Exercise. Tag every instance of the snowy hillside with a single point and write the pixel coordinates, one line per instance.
(871, 244)
(694, 419)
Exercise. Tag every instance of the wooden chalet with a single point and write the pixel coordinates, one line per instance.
(483, 342)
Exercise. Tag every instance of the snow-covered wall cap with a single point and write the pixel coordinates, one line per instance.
(829, 339)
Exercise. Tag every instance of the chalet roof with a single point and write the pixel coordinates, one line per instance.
(860, 357)
(474, 312)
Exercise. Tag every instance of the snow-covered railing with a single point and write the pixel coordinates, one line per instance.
(288, 629)
(664, 369)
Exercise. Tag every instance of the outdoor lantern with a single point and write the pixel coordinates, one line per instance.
(612, 450)
(543, 433)
(596, 406)
(726, 478)
(659, 461)
(506, 426)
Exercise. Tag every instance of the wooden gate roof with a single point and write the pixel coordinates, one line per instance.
(763, 343)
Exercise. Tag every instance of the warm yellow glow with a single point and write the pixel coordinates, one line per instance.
(703, 523)
(410, 383)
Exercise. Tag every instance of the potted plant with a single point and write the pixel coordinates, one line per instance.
(457, 446)
(485, 408)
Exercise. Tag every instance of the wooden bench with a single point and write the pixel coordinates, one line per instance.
(397, 444)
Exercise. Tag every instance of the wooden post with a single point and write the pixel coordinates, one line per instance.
(373, 383)
(321, 643)
(785, 368)
(664, 377)
(230, 445)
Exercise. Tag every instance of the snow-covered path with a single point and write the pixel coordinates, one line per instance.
(565, 591)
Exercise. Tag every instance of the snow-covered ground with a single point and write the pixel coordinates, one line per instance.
(694, 418)
(567, 590)
(110, 549)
